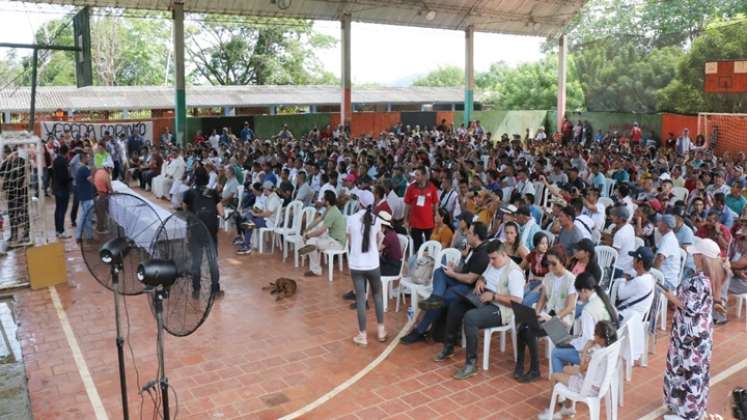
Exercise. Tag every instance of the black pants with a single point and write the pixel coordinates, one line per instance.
(486, 316)
(74, 209)
(418, 237)
(61, 199)
(527, 337)
(389, 267)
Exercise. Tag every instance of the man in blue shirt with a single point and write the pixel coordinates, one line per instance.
(246, 134)
(727, 217)
(735, 200)
(85, 192)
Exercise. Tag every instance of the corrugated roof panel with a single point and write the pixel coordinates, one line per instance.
(97, 98)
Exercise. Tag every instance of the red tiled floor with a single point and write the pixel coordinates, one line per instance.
(257, 358)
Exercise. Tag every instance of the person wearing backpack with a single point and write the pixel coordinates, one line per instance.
(205, 204)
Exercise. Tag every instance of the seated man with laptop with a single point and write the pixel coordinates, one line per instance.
(487, 306)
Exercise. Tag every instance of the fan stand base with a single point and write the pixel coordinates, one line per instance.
(158, 295)
(120, 345)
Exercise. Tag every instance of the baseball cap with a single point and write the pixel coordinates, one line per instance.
(108, 163)
(644, 254)
(668, 220)
(268, 185)
(704, 247)
(509, 209)
(349, 178)
(558, 200)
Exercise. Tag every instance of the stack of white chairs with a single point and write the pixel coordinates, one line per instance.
(388, 281)
(294, 237)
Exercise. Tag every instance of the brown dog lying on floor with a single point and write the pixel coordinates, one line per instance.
(282, 287)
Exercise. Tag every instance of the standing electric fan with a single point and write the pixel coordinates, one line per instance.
(182, 278)
(117, 235)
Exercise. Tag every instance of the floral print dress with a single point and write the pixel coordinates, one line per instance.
(687, 374)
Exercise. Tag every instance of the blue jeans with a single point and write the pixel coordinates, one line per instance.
(447, 288)
(562, 356)
(259, 222)
(531, 296)
(83, 216)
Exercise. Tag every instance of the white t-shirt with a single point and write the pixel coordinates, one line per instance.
(634, 289)
(515, 280)
(624, 242)
(597, 217)
(585, 225)
(358, 260)
(670, 249)
(274, 205)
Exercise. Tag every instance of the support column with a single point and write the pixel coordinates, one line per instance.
(469, 74)
(32, 113)
(126, 113)
(180, 112)
(346, 107)
(562, 69)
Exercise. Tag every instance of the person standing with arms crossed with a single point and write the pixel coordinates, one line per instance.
(421, 203)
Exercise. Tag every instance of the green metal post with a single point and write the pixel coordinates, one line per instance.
(180, 122)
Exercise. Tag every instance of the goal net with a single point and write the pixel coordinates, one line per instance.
(21, 204)
(724, 132)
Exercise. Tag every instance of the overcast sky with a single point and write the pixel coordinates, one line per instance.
(382, 54)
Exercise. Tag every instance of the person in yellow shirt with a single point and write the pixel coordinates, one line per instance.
(442, 231)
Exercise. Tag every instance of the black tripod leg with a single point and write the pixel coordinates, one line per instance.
(165, 398)
(122, 379)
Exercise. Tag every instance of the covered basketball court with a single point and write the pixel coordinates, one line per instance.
(544, 18)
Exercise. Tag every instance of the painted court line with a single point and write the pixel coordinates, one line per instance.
(80, 362)
(714, 380)
(355, 378)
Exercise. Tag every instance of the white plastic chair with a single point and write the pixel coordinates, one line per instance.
(627, 355)
(330, 254)
(609, 186)
(662, 313)
(271, 230)
(387, 281)
(291, 213)
(606, 360)
(226, 218)
(742, 299)
(683, 260)
(488, 333)
(539, 192)
(294, 237)
(432, 248)
(606, 257)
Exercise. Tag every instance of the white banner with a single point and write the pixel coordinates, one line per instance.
(96, 130)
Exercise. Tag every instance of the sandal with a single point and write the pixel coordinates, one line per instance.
(720, 307)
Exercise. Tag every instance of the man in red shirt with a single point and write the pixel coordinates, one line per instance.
(421, 203)
(635, 134)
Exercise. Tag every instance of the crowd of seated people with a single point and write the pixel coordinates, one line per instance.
(534, 220)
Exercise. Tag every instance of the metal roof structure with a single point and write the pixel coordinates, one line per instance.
(112, 98)
(520, 17)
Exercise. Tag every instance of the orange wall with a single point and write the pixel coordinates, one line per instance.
(675, 123)
(369, 122)
(445, 115)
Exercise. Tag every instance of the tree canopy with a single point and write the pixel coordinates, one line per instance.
(446, 76)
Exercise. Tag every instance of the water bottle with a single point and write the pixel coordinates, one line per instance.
(410, 313)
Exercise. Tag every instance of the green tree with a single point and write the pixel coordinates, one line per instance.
(722, 40)
(446, 76)
(531, 86)
(624, 78)
(243, 52)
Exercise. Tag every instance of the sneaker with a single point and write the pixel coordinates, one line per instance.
(219, 294)
(360, 340)
(306, 249)
(445, 353)
(433, 302)
(546, 415)
(469, 370)
(244, 251)
(518, 372)
(413, 337)
(349, 295)
(310, 274)
(64, 236)
(238, 241)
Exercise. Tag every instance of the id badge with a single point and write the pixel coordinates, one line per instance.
(421, 201)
